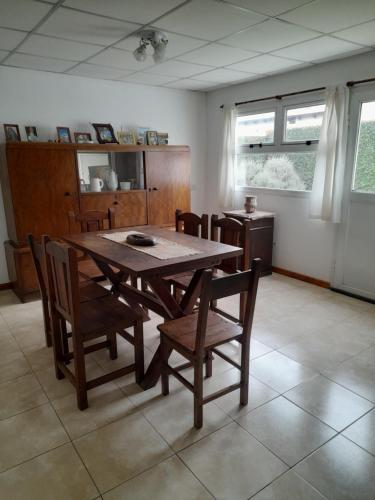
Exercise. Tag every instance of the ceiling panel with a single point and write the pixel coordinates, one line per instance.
(177, 44)
(270, 35)
(208, 19)
(190, 84)
(332, 15)
(94, 71)
(139, 11)
(66, 23)
(149, 78)
(318, 49)
(22, 14)
(216, 54)
(122, 59)
(39, 63)
(364, 34)
(9, 39)
(46, 46)
(265, 64)
(3, 54)
(178, 69)
(223, 75)
(269, 7)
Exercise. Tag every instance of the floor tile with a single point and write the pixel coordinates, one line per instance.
(121, 450)
(280, 372)
(340, 470)
(289, 432)
(167, 481)
(106, 404)
(58, 475)
(20, 394)
(173, 418)
(28, 434)
(331, 403)
(30, 337)
(289, 486)
(362, 432)
(357, 374)
(232, 464)
(13, 365)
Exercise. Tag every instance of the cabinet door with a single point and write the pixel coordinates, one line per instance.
(168, 184)
(131, 208)
(44, 188)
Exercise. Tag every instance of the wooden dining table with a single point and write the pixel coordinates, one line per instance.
(119, 262)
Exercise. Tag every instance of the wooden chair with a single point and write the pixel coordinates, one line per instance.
(104, 316)
(196, 335)
(92, 220)
(88, 290)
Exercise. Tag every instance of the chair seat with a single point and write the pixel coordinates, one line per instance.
(183, 330)
(89, 290)
(105, 315)
(89, 270)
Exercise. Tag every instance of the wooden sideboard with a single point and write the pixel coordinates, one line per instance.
(41, 184)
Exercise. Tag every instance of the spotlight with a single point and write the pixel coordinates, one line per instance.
(158, 41)
(140, 53)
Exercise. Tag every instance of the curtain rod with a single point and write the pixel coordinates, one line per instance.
(281, 96)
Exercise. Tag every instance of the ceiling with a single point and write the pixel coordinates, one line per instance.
(212, 43)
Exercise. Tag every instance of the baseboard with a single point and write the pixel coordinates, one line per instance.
(5, 286)
(301, 277)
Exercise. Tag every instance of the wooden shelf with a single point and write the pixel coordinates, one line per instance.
(94, 147)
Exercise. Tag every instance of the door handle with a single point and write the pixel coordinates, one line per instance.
(155, 189)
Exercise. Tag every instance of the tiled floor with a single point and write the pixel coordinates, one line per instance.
(306, 434)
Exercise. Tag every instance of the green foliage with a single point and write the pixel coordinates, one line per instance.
(365, 165)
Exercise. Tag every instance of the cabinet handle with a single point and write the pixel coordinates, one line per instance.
(67, 193)
(155, 189)
(115, 202)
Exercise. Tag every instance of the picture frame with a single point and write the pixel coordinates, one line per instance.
(152, 137)
(142, 135)
(126, 137)
(105, 133)
(163, 138)
(12, 132)
(63, 135)
(31, 133)
(82, 137)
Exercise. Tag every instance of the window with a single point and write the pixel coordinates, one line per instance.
(276, 148)
(364, 176)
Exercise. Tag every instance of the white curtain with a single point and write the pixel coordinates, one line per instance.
(226, 159)
(328, 184)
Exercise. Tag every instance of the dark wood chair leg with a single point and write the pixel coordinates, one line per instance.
(139, 352)
(198, 393)
(245, 367)
(80, 374)
(58, 350)
(64, 340)
(164, 353)
(209, 358)
(112, 345)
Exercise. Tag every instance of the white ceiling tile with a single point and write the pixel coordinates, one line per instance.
(270, 35)
(264, 64)
(139, 11)
(122, 59)
(66, 23)
(9, 39)
(177, 44)
(178, 69)
(332, 15)
(321, 48)
(36, 62)
(364, 34)
(190, 84)
(216, 54)
(208, 19)
(269, 7)
(22, 14)
(101, 72)
(149, 78)
(46, 46)
(223, 75)
(3, 54)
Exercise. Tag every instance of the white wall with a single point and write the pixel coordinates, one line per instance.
(301, 245)
(47, 100)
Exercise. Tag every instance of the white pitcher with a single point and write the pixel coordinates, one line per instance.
(96, 184)
(112, 181)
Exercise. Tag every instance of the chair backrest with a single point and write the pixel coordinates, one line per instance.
(232, 232)
(217, 288)
(192, 224)
(62, 279)
(93, 220)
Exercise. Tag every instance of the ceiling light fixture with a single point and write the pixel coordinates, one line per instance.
(157, 40)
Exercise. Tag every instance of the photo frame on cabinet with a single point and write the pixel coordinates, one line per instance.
(126, 137)
(12, 132)
(142, 135)
(63, 135)
(105, 133)
(162, 138)
(31, 134)
(152, 137)
(82, 137)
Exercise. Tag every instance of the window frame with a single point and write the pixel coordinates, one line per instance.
(279, 146)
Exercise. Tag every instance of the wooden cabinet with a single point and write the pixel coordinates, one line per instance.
(41, 185)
